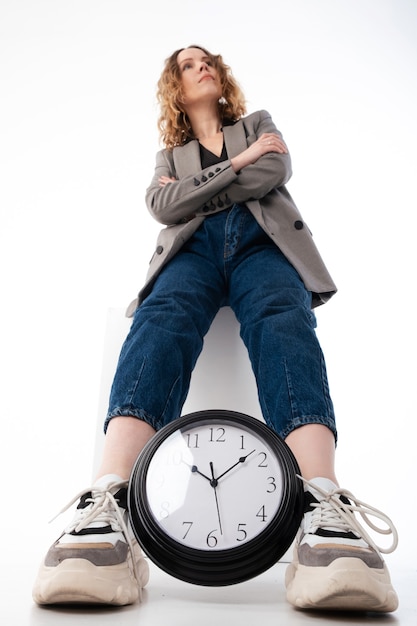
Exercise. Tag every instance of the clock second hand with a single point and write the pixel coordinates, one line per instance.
(213, 483)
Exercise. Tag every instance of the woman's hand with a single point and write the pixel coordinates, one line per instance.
(267, 142)
(165, 180)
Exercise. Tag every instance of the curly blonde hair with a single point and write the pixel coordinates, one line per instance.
(173, 123)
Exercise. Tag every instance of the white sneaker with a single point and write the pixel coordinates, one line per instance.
(336, 565)
(96, 560)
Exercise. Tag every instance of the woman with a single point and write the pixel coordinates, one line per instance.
(234, 237)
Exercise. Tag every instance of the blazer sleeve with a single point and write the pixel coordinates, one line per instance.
(181, 200)
(270, 171)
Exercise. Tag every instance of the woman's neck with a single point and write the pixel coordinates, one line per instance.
(207, 131)
(205, 124)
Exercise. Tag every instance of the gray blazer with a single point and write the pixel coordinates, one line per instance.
(183, 205)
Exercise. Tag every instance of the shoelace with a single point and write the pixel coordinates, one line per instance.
(103, 507)
(334, 513)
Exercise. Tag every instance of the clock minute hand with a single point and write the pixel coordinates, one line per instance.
(242, 459)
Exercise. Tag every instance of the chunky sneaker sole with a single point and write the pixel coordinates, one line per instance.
(345, 584)
(78, 581)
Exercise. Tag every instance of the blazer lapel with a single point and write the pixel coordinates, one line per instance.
(235, 139)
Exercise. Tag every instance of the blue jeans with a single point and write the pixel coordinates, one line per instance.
(229, 261)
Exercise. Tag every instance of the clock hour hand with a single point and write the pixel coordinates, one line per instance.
(242, 459)
(195, 470)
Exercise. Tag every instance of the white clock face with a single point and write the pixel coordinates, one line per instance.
(214, 487)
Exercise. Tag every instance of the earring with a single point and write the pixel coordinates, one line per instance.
(222, 100)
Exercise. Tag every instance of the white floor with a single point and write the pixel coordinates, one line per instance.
(259, 602)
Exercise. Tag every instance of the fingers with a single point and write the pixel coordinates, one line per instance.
(273, 143)
(165, 180)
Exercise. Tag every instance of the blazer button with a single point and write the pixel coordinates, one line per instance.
(298, 225)
(218, 169)
(204, 178)
(196, 182)
(159, 250)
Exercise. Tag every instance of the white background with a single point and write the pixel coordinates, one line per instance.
(78, 138)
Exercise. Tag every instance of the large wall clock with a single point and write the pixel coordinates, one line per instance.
(214, 498)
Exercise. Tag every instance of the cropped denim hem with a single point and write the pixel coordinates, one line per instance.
(140, 414)
(310, 419)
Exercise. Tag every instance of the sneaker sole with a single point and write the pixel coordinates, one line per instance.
(346, 584)
(77, 581)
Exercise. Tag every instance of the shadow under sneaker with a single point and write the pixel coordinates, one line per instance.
(96, 560)
(336, 565)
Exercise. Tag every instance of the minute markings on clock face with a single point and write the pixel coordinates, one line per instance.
(214, 487)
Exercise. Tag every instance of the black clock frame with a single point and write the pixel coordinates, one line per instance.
(218, 567)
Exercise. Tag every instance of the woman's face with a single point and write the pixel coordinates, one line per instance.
(200, 79)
